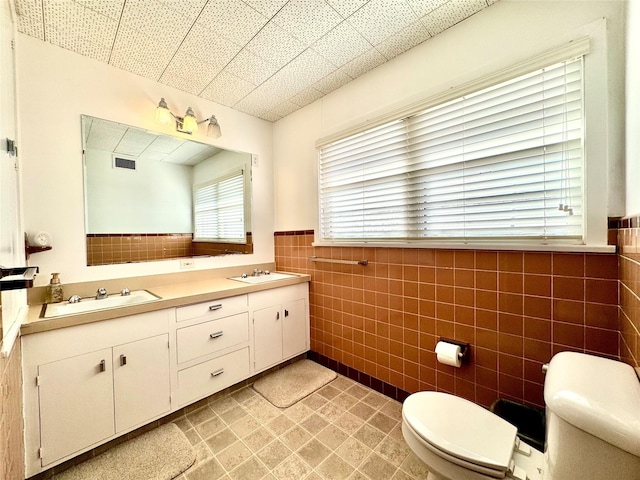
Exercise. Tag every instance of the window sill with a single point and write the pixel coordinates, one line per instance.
(527, 247)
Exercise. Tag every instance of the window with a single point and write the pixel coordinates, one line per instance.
(502, 163)
(219, 209)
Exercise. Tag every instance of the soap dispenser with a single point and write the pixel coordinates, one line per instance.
(54, 292)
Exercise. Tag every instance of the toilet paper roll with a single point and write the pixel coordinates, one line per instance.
(449, 354)
(40, 239)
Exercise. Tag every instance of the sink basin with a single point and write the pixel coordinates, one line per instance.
(264, 278)
(90, 304)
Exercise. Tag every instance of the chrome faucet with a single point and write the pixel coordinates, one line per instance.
(257, 272)
(101, 293)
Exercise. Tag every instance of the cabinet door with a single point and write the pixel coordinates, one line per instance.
(267, 336)
(76, 404)
(294, 328)
(141, 381)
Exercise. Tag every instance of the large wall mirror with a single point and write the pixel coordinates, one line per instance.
(151, 196)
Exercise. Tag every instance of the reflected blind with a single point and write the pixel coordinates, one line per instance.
(504, 162)
(219, 209)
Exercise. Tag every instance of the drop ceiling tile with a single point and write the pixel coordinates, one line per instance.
(208, 46)
(188, 74)
(63, 23)
(134, 142)
(332, 81)
(188, 8)
(154, 20)
(450, 14)
(227, 89)
(29, 18)
(365, 62)
(307, 20)
(306, 97)
(307, 68)
(139, 54)
(282, 110)
(298, 75)
(379, 19)
(402, 41)
(423, 7)
(109, 8)
(104, 135)
(261, 100)
(275, 45)
(232, 19)
(99, 29)
(268, 8)
(341, 45)
(250, 67)
(270, 117)
(346, 7)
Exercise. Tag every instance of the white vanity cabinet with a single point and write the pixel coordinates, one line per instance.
(280, 320)
(86, 384)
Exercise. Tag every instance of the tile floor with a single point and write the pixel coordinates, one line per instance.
(343, 431)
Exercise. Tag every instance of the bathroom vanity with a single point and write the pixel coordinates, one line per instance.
(92, 377)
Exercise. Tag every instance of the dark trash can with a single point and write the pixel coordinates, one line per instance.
(530, 421)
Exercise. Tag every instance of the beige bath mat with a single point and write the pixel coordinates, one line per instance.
(161, 454)
(292, 383)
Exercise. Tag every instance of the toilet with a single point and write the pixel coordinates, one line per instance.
(592, 428)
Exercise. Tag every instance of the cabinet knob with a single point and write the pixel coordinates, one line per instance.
(215, 335)
(286, 313)
(217, 372)
(102, 366)
(123, 360)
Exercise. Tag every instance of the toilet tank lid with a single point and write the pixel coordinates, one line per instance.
(597, 395)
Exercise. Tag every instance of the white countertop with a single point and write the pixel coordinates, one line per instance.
(175, 295)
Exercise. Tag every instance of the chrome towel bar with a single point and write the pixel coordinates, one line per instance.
(345, 262)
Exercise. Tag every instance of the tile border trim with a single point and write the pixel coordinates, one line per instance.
(367, 380)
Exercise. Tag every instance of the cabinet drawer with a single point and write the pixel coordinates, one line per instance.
(212, 336)
(212, 376)
(213, 309)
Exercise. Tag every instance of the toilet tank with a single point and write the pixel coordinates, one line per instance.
(593, 419)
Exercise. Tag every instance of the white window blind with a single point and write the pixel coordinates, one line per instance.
(219, 209)
(504, 162)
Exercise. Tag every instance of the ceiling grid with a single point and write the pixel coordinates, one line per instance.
(267, 58)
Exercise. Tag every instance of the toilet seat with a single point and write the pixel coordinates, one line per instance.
(461, 432)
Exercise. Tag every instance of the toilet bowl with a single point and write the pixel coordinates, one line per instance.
(593, 428)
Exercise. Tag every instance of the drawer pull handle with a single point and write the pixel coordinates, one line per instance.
(213, 308)
(103, 366)
(215, 335)
(123, 360)
(217, 372)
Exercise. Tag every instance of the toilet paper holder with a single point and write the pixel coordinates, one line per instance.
(464, 348)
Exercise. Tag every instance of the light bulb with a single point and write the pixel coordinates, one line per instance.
(189, 123)
(163, 115)
(213, 128)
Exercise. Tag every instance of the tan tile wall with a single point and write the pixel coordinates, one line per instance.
(629, 312)
(516, 309)
(124, 248)
(11, 426)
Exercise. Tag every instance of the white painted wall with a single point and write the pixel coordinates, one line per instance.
(55, 87)
(632, 103)
(508, 32)
(156, 197)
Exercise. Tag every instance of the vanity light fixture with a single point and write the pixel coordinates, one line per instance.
(188, 123)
